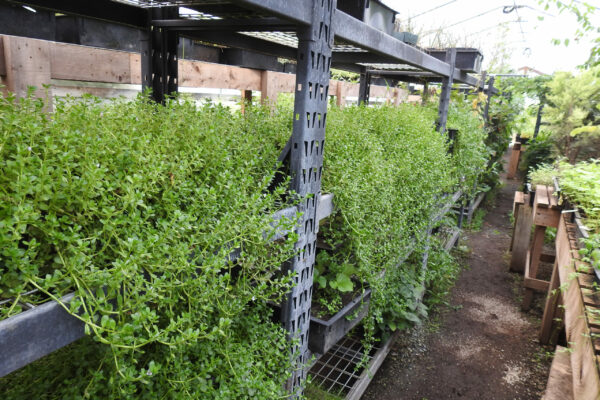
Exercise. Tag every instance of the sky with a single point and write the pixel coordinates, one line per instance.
(528, 38)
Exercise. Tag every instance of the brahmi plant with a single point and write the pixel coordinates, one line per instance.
(137, 208)
(390, 172)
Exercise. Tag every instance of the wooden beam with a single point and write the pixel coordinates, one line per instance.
(536, 284)
(521, 238)
(81, 63)
(514, 161)
(552, 300)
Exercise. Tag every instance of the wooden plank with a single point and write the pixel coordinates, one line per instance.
(340, 94)
(513, 163)
(521, 239)
(27, 63)
(560, 381)
(90, 64)
(586, 380)
(543, 214)
(541, 196)
(536, 250)
(536, 284)
(246, 100)
(520, 199)
(209, 75)
(551, 306)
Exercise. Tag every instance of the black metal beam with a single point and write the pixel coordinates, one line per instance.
(244, 42)
(364, 87)
(36, 333)
(99, 9)
(238, 25)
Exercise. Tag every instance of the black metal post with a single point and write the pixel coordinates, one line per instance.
(490, 93)
(538, 120)
(425, 95)
(364, 87)
(306, 163)
(159, 56)
(446, 90)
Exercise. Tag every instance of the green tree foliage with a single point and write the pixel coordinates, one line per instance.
(583, 12)
(573, 113)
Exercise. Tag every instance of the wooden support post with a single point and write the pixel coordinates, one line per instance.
(520, 199)
(27, 63)
(268, 88)
(532, 265)
(399, 94)
(550, 309)
(340, 94)
(513, 164)
(522, 234)
(246, 100)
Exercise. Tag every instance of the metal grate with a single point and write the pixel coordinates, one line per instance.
(336, 371)
(169, 3)
(393, 67)
(291, 40)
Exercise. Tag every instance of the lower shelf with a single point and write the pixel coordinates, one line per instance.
(336, 371)
(36, 333)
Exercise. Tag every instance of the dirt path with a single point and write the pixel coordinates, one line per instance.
(481, 346)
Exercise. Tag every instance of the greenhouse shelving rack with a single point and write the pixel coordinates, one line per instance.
(317, 36)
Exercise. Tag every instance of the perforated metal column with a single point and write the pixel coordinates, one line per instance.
(159, 56)
(364, 87)
(446, 90)
(306, 165)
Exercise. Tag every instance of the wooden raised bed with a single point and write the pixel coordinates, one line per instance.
(573, 285)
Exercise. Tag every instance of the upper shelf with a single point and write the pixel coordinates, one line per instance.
(266, 26)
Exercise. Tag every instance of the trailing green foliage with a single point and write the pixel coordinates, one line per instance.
(136, 208)
(542, 175)
(539, 151)
(390, 170)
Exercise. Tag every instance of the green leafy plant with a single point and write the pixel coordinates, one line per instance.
(136, 208)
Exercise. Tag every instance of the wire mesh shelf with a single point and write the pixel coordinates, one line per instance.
(337, 371)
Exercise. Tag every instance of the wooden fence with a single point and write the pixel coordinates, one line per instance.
(32, 62)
